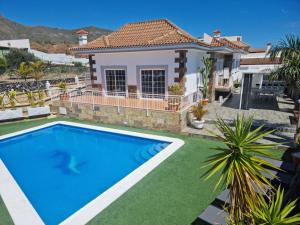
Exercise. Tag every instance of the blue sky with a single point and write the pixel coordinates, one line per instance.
(259, 21)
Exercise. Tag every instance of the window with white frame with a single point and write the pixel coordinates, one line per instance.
(115, 80)
(153, 81)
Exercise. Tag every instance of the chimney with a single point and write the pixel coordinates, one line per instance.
(217, 33)
(82, 37)
(238, 38)
(269, 46)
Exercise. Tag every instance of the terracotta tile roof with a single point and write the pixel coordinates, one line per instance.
(241, 44)
(257, 50)
(82, 32)
(259, 61)
(141, 34)
(224, 42)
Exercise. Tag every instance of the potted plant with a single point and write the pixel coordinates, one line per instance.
(175, 89)
(37, 104)
(198, 112)
(10, 99)
(205, 73)
(63, 87)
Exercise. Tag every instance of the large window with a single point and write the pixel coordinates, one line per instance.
(153, 81)
(115, 80)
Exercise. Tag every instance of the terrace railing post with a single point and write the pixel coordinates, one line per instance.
(147, 107)
(71, 99)
(93, 101)
(118, 104)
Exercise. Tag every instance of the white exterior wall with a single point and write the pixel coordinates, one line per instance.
(161, 59)
(20, 43)
(58, 58)
(254, 55)
(236, 75)
(194, 63)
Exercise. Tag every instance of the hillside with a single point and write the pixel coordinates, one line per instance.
(47, 39)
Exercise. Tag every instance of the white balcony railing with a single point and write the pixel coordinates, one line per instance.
(159, 102)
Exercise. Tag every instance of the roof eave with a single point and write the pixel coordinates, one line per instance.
(226, 50)
(142, 48)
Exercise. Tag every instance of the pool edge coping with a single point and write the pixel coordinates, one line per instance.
(98, 204)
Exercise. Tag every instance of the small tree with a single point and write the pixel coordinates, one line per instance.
(16, 56)
(205, 73)
(2, 101)
(37, 68)
(288, 51)
(24, 70)
(3, 65)
(12, 98)
(238, 166)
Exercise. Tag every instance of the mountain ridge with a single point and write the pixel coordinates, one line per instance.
(44, 38)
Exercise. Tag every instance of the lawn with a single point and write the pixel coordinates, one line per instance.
(172, 194)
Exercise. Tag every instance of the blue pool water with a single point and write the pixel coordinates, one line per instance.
(62, 168)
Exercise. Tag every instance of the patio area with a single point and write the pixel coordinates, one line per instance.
(270, 111)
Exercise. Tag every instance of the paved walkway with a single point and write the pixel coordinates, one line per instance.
(274, 113)
(285, 139)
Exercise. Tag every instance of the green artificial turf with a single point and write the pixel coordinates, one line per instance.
(171, 194)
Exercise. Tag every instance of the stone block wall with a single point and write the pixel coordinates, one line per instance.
(158, 120)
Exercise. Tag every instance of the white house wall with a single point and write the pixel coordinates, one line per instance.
(193, 78)
(160, 59)
(236, 75)
(132, 60)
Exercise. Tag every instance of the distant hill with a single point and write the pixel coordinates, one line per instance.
(46, 39)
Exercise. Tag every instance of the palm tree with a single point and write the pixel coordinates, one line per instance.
(38, 70)
(24, 70)
(288, 51)
(273, 212)
(238, 167)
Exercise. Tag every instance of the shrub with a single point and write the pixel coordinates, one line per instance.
(12, 98)
(176, 89)
(3, 65)
(199, 111)
(237, 85)
(16, 56)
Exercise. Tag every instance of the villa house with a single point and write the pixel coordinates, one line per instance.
(146, 58)
(227, 52)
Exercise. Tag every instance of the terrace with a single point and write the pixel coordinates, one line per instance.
(159, 102)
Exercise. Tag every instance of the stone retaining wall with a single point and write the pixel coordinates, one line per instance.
(159, 120)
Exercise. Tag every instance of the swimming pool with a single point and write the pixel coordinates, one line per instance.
(66, 173)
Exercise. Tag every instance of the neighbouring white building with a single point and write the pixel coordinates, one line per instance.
(82, 37)
(54, 58)
(255, 69)
(20, 44)
(148, 57)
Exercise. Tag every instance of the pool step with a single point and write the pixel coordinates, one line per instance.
(145, 155)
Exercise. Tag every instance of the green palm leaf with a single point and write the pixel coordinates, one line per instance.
(238, 166)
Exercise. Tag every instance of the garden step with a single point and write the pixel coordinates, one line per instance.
(223, 197)
(286, 166)
(213, 215)
(282, 177)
